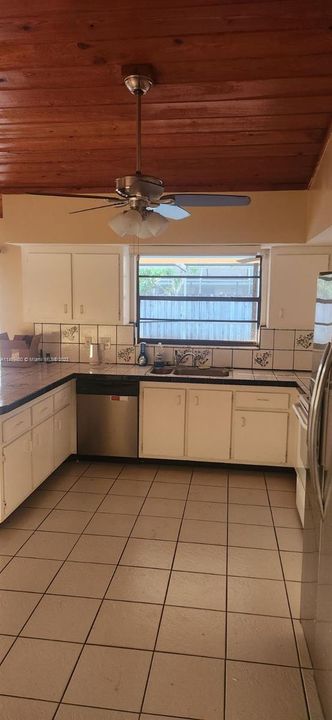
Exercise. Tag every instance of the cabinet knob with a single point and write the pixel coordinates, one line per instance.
(243, 421)
(196, 400)
(282, 313)
(81, 309)
(178, 399)
(65, 308)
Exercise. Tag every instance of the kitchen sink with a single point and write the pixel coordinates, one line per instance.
(190, 371)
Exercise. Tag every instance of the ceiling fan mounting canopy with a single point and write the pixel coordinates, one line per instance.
(142, 187)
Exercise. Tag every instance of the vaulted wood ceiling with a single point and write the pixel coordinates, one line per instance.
(243, 98)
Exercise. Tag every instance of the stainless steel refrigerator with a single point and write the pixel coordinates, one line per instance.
(316, 589)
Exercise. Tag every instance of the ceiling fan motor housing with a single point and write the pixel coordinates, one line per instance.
(145, 189)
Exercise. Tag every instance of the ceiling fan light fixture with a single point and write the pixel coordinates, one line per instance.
(156, 223)
(126, 223)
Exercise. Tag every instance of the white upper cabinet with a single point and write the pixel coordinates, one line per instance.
(96, 288)
(47, 286)
(292, 289)
(76, 285)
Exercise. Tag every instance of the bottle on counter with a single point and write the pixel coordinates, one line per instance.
(142, 358)
(160, 358)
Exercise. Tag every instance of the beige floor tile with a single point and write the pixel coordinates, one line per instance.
(294, 596)
(278, 498)
(292, 565)
(126, 624)
(156, 528)
(185, 686)
(149, 553)
(257, 596)
(125, 505)
(80, 501)
(93, 485)
(249, 515)
(38, 669)
(200, 531)
(158, 717)
(193, 632)
(4, 560)
(103, 470)
(284, 481)
(214, 511)
(262, 639)
(108, 677)
(82, 579)
(286, 517)
(77, 712)
(98, 549)
(110, 524)
(71, 468)
(28, 574)
(15, 608)
(302, 647)
(135, 488)
(70, 521)
(174, 475)
(208, 493)
(26, 518)
(171, 491)
(290, 539)
(158, 507)
(264, 692)
(139, 584)
(248, 496)
(59, 617)
(212, 476)
(255, 536)
(11, 540)
(198, 590)
(201, 558)
(58, 483)
(46, 499)
(249, 562)
(13, 708)
(48, 545)
(247, 479)
(139, 472)
(6, 642)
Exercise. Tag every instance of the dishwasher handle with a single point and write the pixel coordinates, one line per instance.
(92, 385)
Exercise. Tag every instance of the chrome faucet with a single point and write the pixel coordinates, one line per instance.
(179, 357)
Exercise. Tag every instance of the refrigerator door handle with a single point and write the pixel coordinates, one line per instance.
(314, 422)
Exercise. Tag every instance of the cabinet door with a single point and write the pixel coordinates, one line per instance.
(47, 287)
(163, 422)
(260, 437)
(17, 472)
(209, 422)
(62, 435)
(292, 293)
(42, 452)
(96, 288)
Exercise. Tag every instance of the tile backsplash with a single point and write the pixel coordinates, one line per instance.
(278, 349)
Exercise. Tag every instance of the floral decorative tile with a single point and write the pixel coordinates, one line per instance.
(180, 355)
(203, 357)
(69, 334)
(126, 354)
(51, 332)
(303, 339)
(107, 334)
(262, 359)
(88, 334)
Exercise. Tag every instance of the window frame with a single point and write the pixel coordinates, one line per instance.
(205, 343)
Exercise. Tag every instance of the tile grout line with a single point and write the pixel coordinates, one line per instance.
(226, 601)
(165, 598)
(290, 611)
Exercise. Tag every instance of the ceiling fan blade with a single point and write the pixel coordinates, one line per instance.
(115, 203)
(209, 200)
(171, 212)
(75, 195)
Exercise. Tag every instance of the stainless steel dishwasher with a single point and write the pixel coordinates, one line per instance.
(107, 416)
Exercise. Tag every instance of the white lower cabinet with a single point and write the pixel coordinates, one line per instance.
(209, 421)
(260, 437)
(62, 435)
(17, 472)
(42, 451)
(163, 419)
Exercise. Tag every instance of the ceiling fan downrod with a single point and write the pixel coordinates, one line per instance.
(138, 85)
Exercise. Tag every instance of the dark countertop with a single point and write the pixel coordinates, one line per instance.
(20, 385)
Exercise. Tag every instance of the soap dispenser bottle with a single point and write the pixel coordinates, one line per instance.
(160, 360)
(142, 358)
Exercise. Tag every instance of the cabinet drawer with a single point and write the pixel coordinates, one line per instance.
(16, 425)
(262, 400)
(62, 398)
(42, 410)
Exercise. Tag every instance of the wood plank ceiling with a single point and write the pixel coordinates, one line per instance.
(243, 98)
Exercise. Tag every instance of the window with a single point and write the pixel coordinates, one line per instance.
(206, 300)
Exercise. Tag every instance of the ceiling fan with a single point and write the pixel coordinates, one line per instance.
(148, 207)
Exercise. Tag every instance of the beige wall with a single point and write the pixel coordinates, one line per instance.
(11, 310)
(272, 217)
(319, 223)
